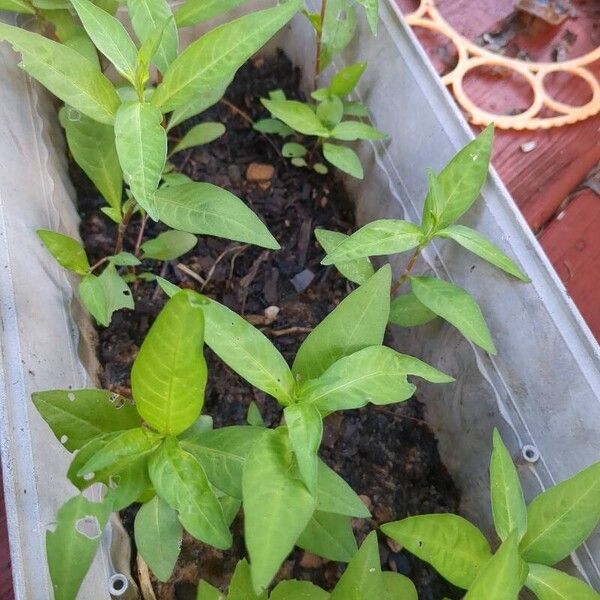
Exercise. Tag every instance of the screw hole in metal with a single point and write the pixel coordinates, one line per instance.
(530, 453)
(118, 584)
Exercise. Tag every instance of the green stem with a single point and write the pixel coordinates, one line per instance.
(319, 44)
(123, 227)
(410, 265)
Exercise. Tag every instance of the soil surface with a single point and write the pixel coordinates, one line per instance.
(388, 454)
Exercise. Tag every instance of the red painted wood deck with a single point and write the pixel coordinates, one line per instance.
(547, 182)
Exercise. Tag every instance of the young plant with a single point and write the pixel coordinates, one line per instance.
(324, 121)
(363, 579)
(533, 537)
(290, 497)
(451, 194)
(119, 134)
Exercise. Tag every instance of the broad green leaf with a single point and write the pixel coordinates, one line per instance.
(169, 245)
(181, 482)
(18, 6)
(344, 158)
(407, 311)
(241, 587)
(146, 16)
(254, 416)
(223, 453)
(192, 12)
(92, 145)
(231, 508)
(109, 36)
(72, 545)
(84, 454)
(124, 259)
(170, 289)
(338, 27)
(330, 111)
(208, 592)
(142, 149)
(248, 352)
(346, 79)
(206, 209)
(197, 104)
(358, 270)
(104, 294)
(372, 11)
(297, 115)
(334, 495)
(203, 133)
(171, 179)
(460, 181)
(305, 428)
(479, 245)
(375, 374)
(550, 584)
(357, 322)
(362, 579)
(356, 130)
(71, 34)
(63, 71)
(273, 126)
(124, 447)
(398, 587)
(500, 577)
(158, 537)
(561, 518)
(169, 373)
(77, 416)
(212, 60)
(508, 503)
(126, 484)
(69, 253)
(293, 150)
(456, 549)
(330, 536)
(378, 238)
(277, 506)
(298, 590)
(355, 109)
(455, 305)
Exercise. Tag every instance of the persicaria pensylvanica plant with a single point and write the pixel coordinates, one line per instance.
(157, 449)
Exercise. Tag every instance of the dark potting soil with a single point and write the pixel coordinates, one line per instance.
(388, 454)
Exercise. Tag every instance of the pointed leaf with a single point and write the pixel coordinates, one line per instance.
(298, 590)
(378, 238)
(80, 415)
(334, 495)
(330, 536)
(92, 145)
(330, 111)
(180, 481)
(305, 428)
(479, 245)
(346, 79)
(72, 545)
(142, 148)
(147, 53)
(500, 577)
(203, 133)
(550, 584)
(344, 158)
(357, 322)
(372, 11)
(356, 130)
(454, 547)
(407, 311)
(69, 253)
(241, 587)
(192, 12)
(375, 374)
(109, 36)
(248, 352)
(561, 518)
(169, 373)
(357, 270)
(508, 503)
(197, 104)
(456, 306)
(223, 453)
(338, 28)
(277, 506)
(208, 592)
(297, 115)
(158, 537)
(65, 73)
(362, 579)
(146, 16)
(213, 59)
(169, 245)
(274, 126)
(254, 416)
(126, 484)
(206, 209)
